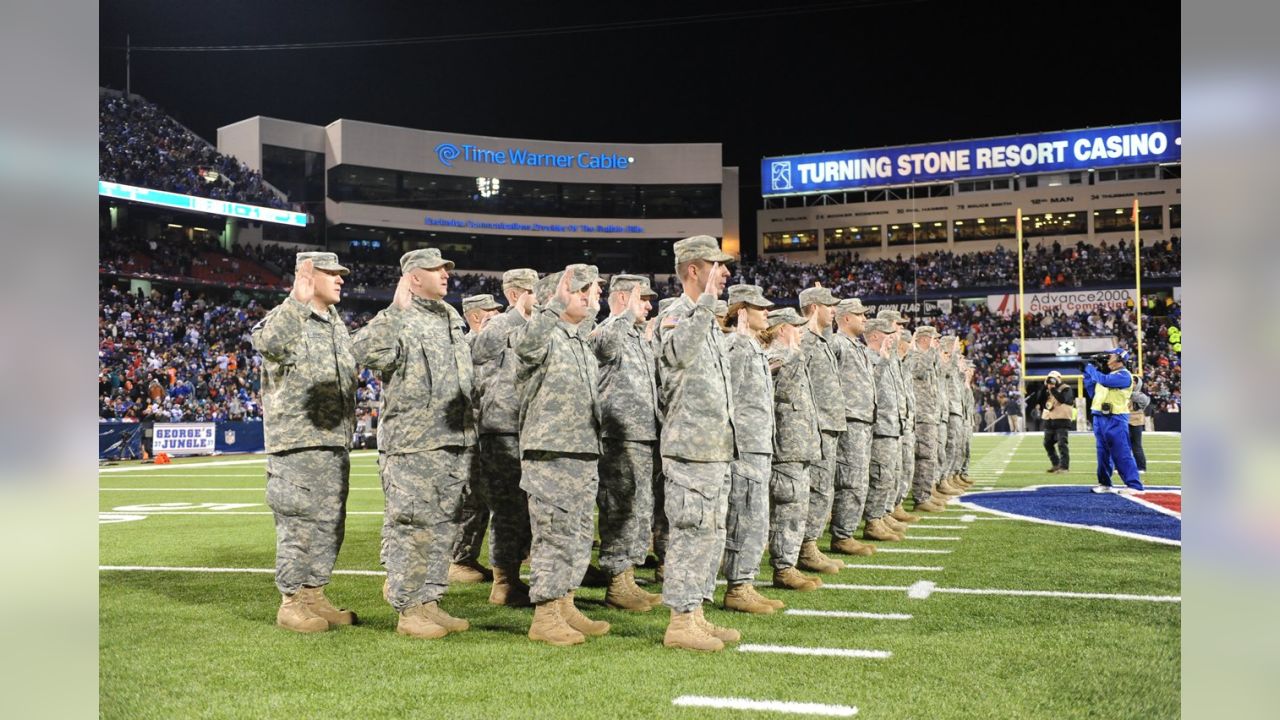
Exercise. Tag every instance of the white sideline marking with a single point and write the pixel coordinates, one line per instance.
(930, 537)
(912, 551)
(921, 568)
(825, 652)
(778, 706)
(921, 590)
(842, 586)
(848, 614)
(949, 527)
(263, 571)
(968, 518)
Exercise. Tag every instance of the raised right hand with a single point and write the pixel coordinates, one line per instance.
(304, 282)
(403, 297)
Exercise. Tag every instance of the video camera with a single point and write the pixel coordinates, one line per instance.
(1100, 360)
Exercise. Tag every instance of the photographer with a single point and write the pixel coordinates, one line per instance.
(1111, 386)
(1138, 404)
(1057, 401)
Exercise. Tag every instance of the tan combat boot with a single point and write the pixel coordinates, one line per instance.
(314, 599)
(894, 525)
(792, 579)
(654, 599)
(945, 490)
(469, 572)
(580, 622)
(437, 615)
(549, 627)
(877, 530)
(728, 636)
(739, 597)
(624, 595)
(930, 505)
(813, 560)
(684, 632)
(849, 546)
(508, 589)
(414, 622)
(902, 515)
(775, 604)
(296, 616)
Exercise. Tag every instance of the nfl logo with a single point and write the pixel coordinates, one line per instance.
(780, 175)
(229, 437)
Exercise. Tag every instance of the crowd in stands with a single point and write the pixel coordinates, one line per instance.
(138, 144)
(176, 255)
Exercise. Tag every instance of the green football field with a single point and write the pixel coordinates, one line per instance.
(187, 611)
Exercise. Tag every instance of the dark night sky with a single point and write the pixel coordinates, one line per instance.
(859, 75)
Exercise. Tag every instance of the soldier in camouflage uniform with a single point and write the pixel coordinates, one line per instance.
(466, 567)
(661, 528)
(747, 521)
(559, 427)
(426, 437)
(922, 364)
(953, 375)
(817, 304)
(886, 433)
(495, 361)
(308, 395)
(968, 405)
(629, 440)
(797, 443)
(905, 342)
(853, 454)
(697, 442)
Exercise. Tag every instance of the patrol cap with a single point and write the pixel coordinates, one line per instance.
(851, 306)
(627, 283)
(722, 308)
(949, 338)
(425, 258)
(878, 324)
(926, 331)
(890, 315)
(785, 315)
(523, 278)
(818, 295)
(700, 247)
(583, 275)
(479, 302)
(587, 274)
(750, 294)
(323, 261)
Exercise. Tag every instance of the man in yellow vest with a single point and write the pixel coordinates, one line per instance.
(1111, 391)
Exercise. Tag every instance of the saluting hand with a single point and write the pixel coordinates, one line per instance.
(711, 280)
(562, 287)
(304, 282)
(403, 297)
(743, 327)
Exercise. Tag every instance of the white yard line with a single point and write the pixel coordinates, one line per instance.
(949, 527)
(920, 568)
(848, 614)
(820, 651)
(774, 706)
(912, 551)
(924, 588)
(931, 537)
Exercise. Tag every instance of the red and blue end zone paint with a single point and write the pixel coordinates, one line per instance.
(1154, 514)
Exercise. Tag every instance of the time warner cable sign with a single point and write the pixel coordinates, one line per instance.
(448, 154)
(1021, 154)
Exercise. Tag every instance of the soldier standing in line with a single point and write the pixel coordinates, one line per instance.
(559, 426)
(495, 361)
(697, 442)
(474, 520)
(886, 451)
(308, 396)
(629, 440)
(747, 520)
(969, 403)
(952, 378)
(817, 304)
(922, 363)
(853, 455)
(425, 440)
(905, 343)
(797, 443)
(661, 528)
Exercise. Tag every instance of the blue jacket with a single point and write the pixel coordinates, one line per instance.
(1116, 380)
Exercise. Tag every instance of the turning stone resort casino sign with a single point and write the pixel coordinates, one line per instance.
(1142, 144)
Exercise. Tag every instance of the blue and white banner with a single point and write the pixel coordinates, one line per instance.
(201, 204)
(1141, 144)
(183, 439)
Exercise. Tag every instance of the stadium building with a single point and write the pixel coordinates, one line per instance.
(490, 203)
(963, 195)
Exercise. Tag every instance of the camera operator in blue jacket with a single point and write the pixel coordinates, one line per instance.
(1111, 385)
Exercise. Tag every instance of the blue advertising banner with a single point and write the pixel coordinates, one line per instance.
(239, 437)
(1141, 144)
(119, 441)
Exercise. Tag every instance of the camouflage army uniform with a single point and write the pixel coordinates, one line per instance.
(853, 455)
(559, 426)
(967, 406)
(922, 369)
(829, 401)
(499, 442)
(309, 399)
(426, 438)
(797, 442)
(907, 390)
(629, 441)
(747, 521)
(697, 445)
(955, 421)
(474, 517)
(944, 414)
(886, 440)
